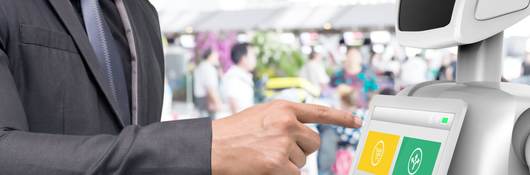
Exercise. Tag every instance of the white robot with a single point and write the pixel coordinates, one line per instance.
(494, 137)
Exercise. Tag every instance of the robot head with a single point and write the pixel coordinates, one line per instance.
(445, 23)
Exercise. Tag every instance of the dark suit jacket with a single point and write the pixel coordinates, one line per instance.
(55, 114)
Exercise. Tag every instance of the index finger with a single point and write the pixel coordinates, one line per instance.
(309, 113)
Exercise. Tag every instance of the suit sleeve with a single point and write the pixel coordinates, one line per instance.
(181, 147)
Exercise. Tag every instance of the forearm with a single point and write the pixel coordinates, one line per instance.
(181, 147)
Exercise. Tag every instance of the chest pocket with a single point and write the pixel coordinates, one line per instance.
(43, 37)
(51, 70)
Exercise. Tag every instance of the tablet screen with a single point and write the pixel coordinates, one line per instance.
(405, 141)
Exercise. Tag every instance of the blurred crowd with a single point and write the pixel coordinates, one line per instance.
(347, 85)
(354, 77)
(346, 78)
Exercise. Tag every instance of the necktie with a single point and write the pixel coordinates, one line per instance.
(109, 59)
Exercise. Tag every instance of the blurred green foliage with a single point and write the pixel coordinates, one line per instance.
(275, 58)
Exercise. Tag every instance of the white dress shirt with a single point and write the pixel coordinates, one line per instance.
(206, 76)
(238, 84)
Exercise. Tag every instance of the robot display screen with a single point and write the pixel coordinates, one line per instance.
(402, 141)
(420, 15)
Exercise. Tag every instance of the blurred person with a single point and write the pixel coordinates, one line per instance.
(343, 164)
(82, 85)
(366, 50)
(414, 70)
(238, 82)
(358, 76)
(525, 71)
(327, 154)
(447, 70)
(314, 71)
(330, 156)
(378, 63)
(383, 65)
(348, 97)
(388, 91)
(397, 55)
(394, 65)
(206, 85)
(526, 65)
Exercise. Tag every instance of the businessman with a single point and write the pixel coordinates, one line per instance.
(81, 85)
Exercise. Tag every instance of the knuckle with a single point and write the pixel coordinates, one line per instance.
(284, 141)
(322, 110)
(275, 161)
(316, 146)
(286, 123)
(317, 142)
(281, 104)
(276, 102)
(315, 137)
(289, 121)
(303, 161)
(285, 144)
(313, 142)
(269, 164)
(283, 128)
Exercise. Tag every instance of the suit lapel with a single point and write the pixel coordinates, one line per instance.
(69, 17)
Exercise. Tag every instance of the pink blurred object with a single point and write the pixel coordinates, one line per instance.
(343, 162)
(220, 42)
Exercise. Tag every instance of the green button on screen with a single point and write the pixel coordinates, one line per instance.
(416, 157)
(445, 120)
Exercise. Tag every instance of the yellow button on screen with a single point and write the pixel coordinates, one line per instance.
(378, 153)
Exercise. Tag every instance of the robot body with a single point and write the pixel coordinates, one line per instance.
(485, 144)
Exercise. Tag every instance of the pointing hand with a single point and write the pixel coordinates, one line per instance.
(271, 138)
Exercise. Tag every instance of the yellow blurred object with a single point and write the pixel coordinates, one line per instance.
(277, 84)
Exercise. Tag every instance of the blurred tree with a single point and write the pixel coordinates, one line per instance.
(276, 59)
